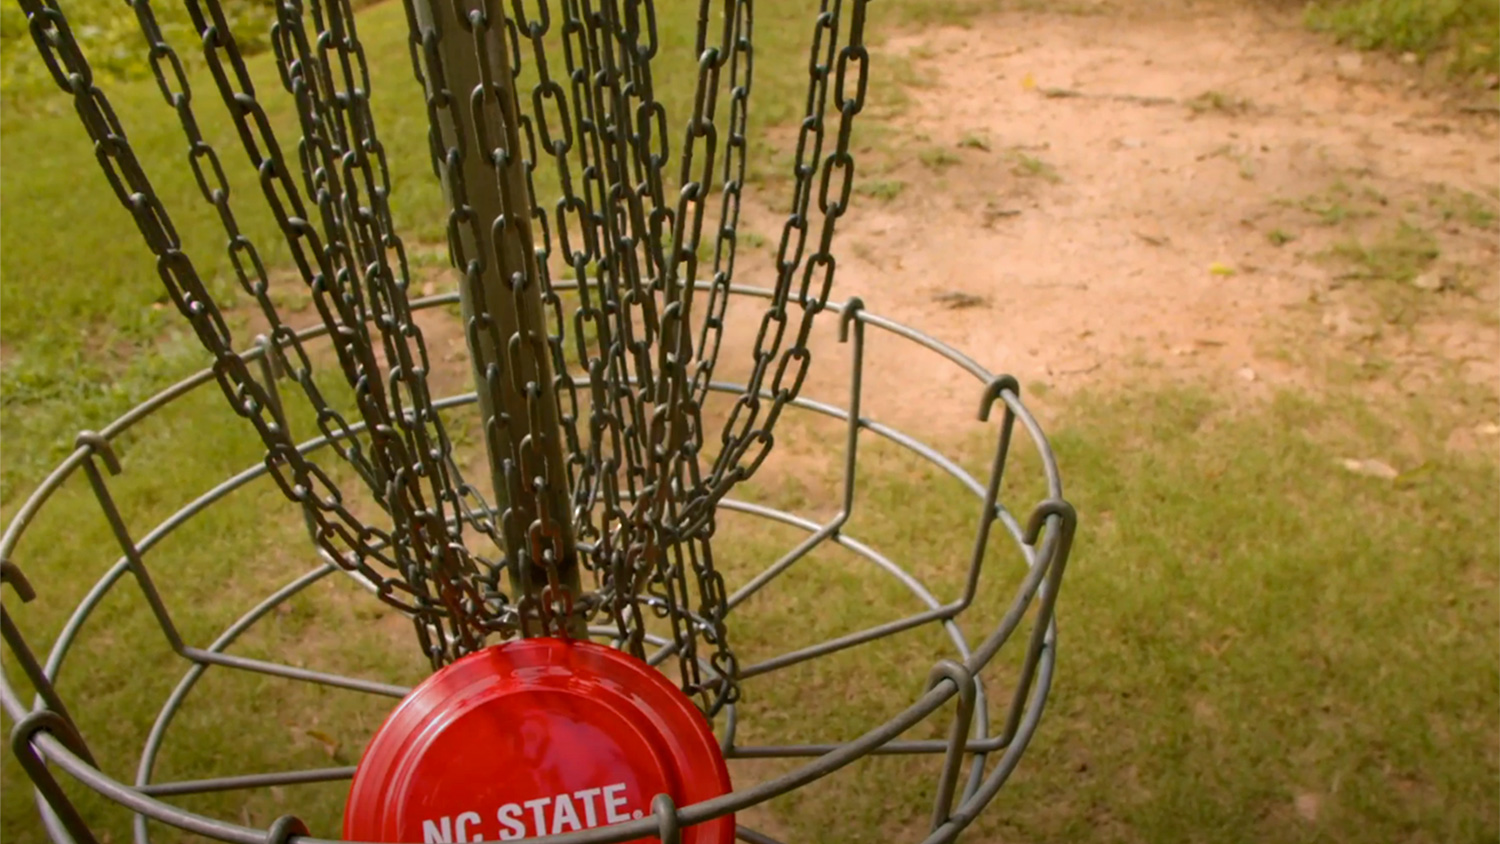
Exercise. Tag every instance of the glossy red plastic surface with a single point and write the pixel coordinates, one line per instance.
(530, 738)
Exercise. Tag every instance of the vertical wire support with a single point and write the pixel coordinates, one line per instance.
(11, 574)
(849, 320)
(21, 744)
(942, 805)
(849, 326)
(1060, 521)
(99, 448)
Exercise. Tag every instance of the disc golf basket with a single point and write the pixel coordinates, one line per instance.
(594, 239)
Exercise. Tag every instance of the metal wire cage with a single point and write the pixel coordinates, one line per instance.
(985, 736)
(638, 516)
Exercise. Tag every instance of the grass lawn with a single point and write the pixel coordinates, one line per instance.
(1256, 644)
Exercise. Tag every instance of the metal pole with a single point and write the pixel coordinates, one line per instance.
(470, 54)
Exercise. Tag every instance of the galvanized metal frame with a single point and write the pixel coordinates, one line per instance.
(44, 731)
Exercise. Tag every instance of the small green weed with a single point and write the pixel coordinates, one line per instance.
(975, 141)
(1471, 209)
(937, 158)
(1337, 205)
(1280, 237)
(1399, 256)
(1030, 166)
(884, 190)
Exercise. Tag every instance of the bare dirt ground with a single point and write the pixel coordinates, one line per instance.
(1085, 198)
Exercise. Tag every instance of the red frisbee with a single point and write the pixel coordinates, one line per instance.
(531, 738)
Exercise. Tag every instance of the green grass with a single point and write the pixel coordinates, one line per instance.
(1245, 588)
(1246, 625)
(1399, 255)
(1339, 203)
(1276, 588)
(1466, 33)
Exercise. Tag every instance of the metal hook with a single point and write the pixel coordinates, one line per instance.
(271, 354)
(285, 828)
(98, 444)
(947, 669)
(1045, 510)
(992, 391)
(850, 313)
(11, 573)
(668, 826)
(31, 760)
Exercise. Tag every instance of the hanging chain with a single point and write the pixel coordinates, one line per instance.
(592, 412)
(421, 564)
(631, 238)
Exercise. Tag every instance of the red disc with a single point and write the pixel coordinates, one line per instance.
(530, 738)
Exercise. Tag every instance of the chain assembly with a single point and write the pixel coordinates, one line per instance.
(593, 327)
(420, 563)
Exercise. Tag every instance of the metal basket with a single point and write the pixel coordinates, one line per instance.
(990, 738)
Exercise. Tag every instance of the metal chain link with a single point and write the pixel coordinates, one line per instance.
(640, 494)
(450, 616)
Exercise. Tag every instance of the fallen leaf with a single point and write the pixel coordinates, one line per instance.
(1371, 468)
(330, 744)
(1411, 477)
(1221, 269)
(1028, 82)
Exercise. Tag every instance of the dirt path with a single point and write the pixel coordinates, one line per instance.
(1083, 198)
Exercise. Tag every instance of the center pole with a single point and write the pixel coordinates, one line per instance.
(473, 53)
